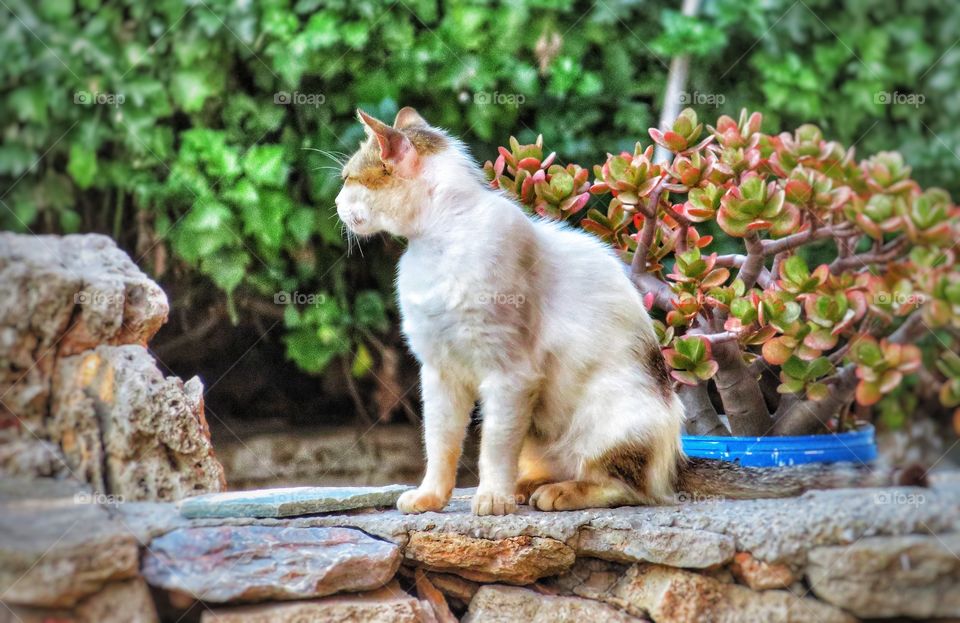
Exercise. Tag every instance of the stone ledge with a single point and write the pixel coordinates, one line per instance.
(825, 556)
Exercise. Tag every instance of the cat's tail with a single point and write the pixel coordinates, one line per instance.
(711, 478)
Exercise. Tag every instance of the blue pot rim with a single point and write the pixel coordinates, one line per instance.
(864, 433)
(852, 446)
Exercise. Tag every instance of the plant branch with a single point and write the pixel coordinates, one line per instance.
(788, 243)
(702, 418)
(889, 252)
(751, 268)
(645, 238)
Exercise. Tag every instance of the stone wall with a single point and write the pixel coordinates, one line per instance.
(80, 395)
(831, 556)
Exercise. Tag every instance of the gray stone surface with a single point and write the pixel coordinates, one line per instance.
(781, 530)
(57, 546)
(257, 563)
(291, 501)
(916, 576)
(386, 605)
(676, 547)
(510, 604)
(268, 454)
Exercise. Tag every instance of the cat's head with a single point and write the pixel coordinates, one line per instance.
(387, 181)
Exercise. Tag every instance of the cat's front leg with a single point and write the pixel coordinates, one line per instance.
(446, 412)
(506, 403)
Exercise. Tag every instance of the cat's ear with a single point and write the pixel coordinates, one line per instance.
(396, 150)
(409, 118)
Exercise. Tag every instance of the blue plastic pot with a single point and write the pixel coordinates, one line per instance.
(856, 446)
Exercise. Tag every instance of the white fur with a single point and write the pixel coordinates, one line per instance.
(462, 285)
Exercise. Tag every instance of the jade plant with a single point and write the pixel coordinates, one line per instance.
(839, 268)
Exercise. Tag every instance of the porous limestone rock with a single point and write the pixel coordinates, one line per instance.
(130, 431)
(509, 604)
(256, 563)
(514, 560)
(60, 296)
(759, 575)
(670, 595)
(81, 394)
(914, 575)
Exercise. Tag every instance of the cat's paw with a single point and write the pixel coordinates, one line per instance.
(558, 496)
(526, 487)
(490, 503)
(421, 501)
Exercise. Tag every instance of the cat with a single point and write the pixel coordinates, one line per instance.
(541, 324)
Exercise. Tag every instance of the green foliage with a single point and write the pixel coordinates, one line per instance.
(197, 126)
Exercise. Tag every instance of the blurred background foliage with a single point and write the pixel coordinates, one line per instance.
(203, 136)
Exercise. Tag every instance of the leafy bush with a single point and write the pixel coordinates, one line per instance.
(820, 338)
(204, 135)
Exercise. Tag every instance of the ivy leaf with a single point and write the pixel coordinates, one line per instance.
(264, 164)
(83, 165)
(190, 90)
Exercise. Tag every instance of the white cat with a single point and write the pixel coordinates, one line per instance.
(537, 321)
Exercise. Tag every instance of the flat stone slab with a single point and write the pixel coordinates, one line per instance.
(289, 502)
(257, 563)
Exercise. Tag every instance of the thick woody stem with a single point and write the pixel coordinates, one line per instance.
(702, 418)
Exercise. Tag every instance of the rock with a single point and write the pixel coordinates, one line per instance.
(916, 576)
(31, 457)
(57, 548)
(454, 586)
(675, 547)
(510, 604)
(290, 501)
(130, 431)
(120, 602)
(328, 455)
(759, 575)
(514, 560)
(670, 595)
(60, 296)
(774, 530)
(256, 563)
(429, 594)
(386, 605)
